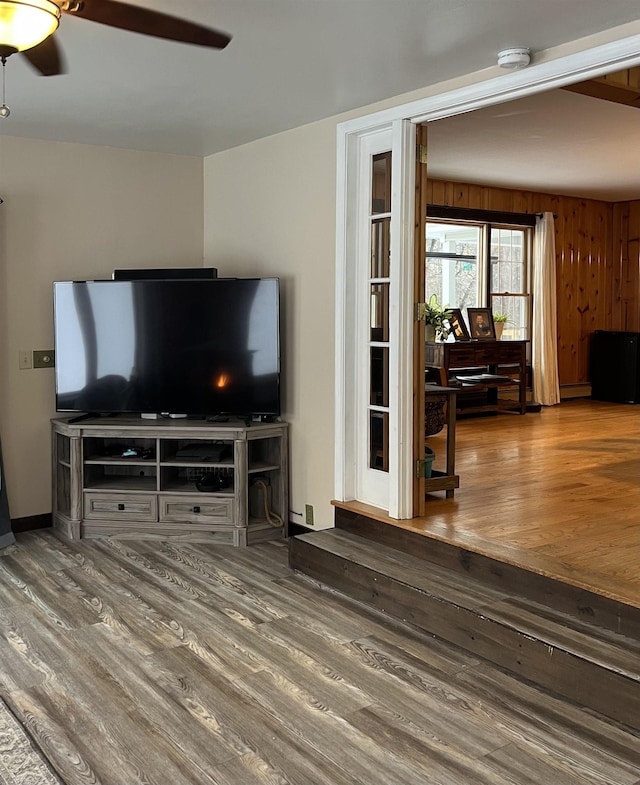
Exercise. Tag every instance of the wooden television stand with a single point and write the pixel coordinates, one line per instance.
(190, 480)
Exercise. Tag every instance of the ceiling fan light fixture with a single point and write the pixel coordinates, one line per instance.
(516, 57)
(26, 23)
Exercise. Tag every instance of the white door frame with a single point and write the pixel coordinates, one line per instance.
(586, 64)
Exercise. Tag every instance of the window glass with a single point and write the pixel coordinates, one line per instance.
(508, 271)
(379, 441)
(379, 312)
(508, 281)
(453, 265)
(517, 309)
(379, 364)
(380, 247)
(381, 183)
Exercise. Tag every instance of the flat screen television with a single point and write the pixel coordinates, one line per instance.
(201, 348)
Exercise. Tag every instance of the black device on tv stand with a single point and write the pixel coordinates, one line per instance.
(165, 273)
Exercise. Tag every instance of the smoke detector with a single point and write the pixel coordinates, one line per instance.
(517, 57)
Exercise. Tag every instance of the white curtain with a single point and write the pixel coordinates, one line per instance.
(544, 334)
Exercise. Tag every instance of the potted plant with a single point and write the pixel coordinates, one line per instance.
(499, 321)
(436, 318)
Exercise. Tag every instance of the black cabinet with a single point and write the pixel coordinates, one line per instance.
(615, 366)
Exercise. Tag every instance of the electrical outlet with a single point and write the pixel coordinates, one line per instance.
(24, 359)
(45, 358)
(308, 514)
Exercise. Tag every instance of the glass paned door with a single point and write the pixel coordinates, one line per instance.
(374, 346)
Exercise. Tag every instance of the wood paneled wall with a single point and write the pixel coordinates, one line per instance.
(626, 267)
(598, 261)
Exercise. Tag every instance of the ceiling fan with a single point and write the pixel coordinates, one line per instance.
(27, 26)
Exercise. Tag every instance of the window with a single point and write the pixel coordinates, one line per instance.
(509, 279)
(479, 263)
(454, 264)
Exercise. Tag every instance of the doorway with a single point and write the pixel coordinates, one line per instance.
(397, 122)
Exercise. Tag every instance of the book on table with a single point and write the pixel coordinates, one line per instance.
(485, 378)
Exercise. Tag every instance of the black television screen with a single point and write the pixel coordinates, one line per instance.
(194, 347)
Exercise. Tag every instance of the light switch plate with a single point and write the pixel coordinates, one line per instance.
(25, 360)
(44, 358)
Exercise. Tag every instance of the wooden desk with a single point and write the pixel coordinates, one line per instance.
(506, 358)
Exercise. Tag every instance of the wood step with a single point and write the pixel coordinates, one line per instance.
(533, 580)
(588, 664)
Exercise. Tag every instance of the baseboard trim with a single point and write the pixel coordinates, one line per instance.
(31, 522)
(297, 528)
(575, 391)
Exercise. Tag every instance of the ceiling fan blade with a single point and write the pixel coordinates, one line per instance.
(46, 57)
(147, 22)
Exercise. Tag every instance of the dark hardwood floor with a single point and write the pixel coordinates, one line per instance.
(184, 664)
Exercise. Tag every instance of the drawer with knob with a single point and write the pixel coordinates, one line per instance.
(121, 506)
(203, 509)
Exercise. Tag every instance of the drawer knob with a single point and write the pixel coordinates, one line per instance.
(196, 508)
(121, 506)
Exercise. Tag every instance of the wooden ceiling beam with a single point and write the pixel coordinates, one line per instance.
(621, 87)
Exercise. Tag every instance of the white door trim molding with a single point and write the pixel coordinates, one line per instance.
(551, 74)
(401, 322)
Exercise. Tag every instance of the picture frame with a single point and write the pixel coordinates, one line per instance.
(481, 324)
(458, 325)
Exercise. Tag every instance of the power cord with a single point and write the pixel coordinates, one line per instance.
(272, 518)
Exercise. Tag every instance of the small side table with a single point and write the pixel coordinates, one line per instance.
(435, 396)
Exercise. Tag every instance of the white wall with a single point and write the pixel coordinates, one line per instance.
(270, 210)
(73, 212)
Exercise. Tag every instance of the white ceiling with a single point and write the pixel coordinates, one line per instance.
(557, 142)
(295, 61)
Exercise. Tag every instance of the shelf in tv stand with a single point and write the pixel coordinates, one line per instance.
(98, 492)
(121, 484)
(198, 464)
(259, 468)
(189, 488)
